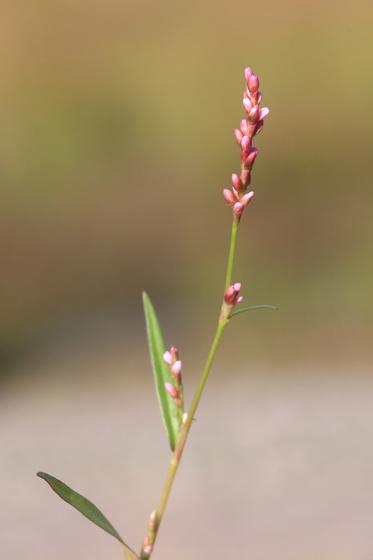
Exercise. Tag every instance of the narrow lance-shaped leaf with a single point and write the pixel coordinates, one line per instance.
(161, 372)
(86, 508)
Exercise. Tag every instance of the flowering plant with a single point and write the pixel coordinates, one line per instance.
(166, 364)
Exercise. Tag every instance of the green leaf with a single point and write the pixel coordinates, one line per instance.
(86, 508)
(161, 372)
(252, 307)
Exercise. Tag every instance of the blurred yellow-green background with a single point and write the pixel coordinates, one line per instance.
(117, 123)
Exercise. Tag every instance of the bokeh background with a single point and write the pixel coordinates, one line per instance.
(116, 142)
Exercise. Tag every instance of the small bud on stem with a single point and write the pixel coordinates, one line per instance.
(231, 299)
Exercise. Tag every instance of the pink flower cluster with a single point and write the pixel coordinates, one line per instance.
(171, 358)
(147, 547)
(240, 195)
(232, 295)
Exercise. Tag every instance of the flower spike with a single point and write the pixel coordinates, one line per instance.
(175, 389)
(252, 124)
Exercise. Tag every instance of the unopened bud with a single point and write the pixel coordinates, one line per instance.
(253, 83)
(245, 143)
(246, 198)
(236, 181)
(236, 194)
(152, 525)
(174, 352)
(243, 127)
(238, 209)
(251, 157)
(171, 390)
(263, 113)
(248, 73)
(176, 368)
(228, 195)
(167, 357)
(238, 135)
(231, 295)
(247, 104)
(253, 115)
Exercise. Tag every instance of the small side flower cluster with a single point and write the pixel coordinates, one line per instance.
(147, 547)
(175, 389)
(232, 294)
(240, 195)
(231, 299)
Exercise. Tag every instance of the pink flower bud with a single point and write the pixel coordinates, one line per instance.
(246, 198)
(176, 367)
(263, 113)
(245, 143)
(243, 127)
(152, 524)
(174, 353)
(248, 73)
(255, 97)
(247, 104)
(238, 209)
(231, 295)
(236, 194)
(253, 83)
(236, 181)
(238, 135)
(251, 157)
(253, 116)
(171, 390)
(167, 357)
(228, 195)
(148, 549)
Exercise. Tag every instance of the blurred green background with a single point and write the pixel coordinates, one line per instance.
(116, 142)
(117, 125)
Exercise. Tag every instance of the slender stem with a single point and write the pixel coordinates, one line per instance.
(184, 432)
(232, 248)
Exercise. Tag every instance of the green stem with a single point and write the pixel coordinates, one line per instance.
(184, 432)
(232, 249)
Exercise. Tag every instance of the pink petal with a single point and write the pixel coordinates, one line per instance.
(263, 113)
(228, 195)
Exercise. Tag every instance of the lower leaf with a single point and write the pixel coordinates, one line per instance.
(86, 508)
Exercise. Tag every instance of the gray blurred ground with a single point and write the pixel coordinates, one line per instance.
(276, 467)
